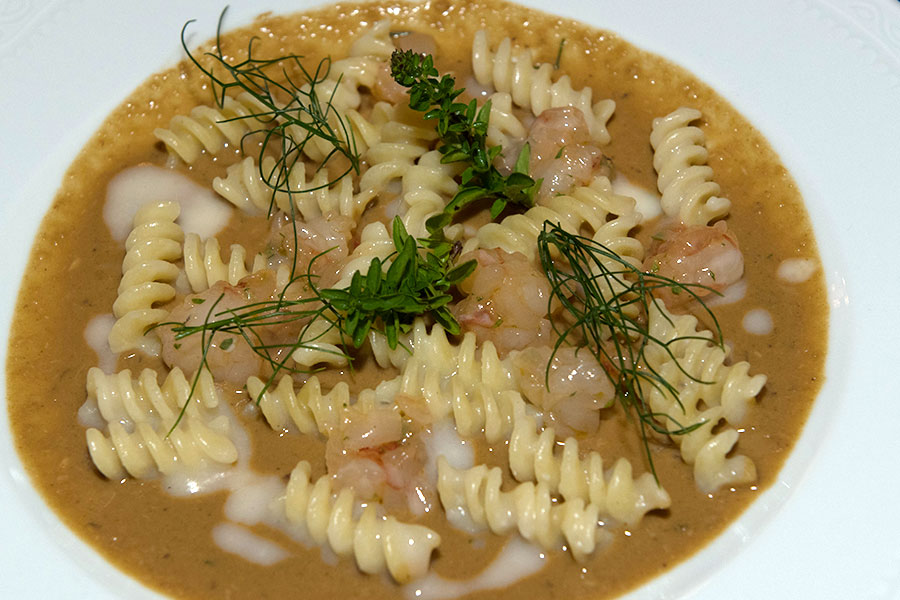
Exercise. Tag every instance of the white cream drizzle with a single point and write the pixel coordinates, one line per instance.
(517, 560)
(796, 270)
(647, 203)
(249, 503)
(202, 211)
(445, 441)
(758, 322)
(96, 334)
(89, 415)
(730, 295)
(246, 544)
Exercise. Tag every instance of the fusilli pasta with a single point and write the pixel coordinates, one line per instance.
(376, 542)
(212, 128)
(586, 208)
(512, 70)
(685, 180)
(473, 500)
(203, 263)
(314, 197)
(142, 438)
(309, 409)
(615, 493)
(148, 271)
(709, 392)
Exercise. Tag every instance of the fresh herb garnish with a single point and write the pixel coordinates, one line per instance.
(462, 129)
(417, 282)
(290, 105)
(559, 52)
(608, 300)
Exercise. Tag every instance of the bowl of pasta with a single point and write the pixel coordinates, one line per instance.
(448, 300)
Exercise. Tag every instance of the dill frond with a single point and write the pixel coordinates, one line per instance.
(607, 300)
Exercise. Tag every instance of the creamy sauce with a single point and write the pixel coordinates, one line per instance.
(517, 560)
(193, 547)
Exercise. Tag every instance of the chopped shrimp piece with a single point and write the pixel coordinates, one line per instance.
(371, 429)
(386, 88)
(697, 254)
(364, 476)
(372, 455)
(506, 301)
(571, 394)
(229, 357)
(325, 239)
(418, 42)
(561, 151)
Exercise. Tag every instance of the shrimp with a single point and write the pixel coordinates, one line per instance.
(372, 454)
(562, 153)
(322, 241)
(697, 254)
(228, 355)
(386, 88)
(571, 393)
(506, 301)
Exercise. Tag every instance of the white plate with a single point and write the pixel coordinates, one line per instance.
(819, 78)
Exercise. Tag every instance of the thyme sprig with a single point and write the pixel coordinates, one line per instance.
(608, 300)
(462, 129)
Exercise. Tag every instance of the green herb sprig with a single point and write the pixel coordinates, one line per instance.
(462, 129)
(292, 109)
(417, 282)
(608, 300)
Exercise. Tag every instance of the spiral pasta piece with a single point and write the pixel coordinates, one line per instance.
(615, 493)
(607, 218)
(367, 55)
(478, 392)
(308, 408)
(375, 42)
(213, 128)
(388, 161)
(374, 242)
(512, 70)
(504, 126)
(709, 393)
(427, 186)
(204, 266)
(684, 179)
(377, 543)
(142, 439)
(322, 344)
(418, 336)
(312, 197)
(473, 500)
(148, 271)
(341, 87)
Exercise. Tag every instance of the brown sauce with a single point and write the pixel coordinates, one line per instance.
(75, 267)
